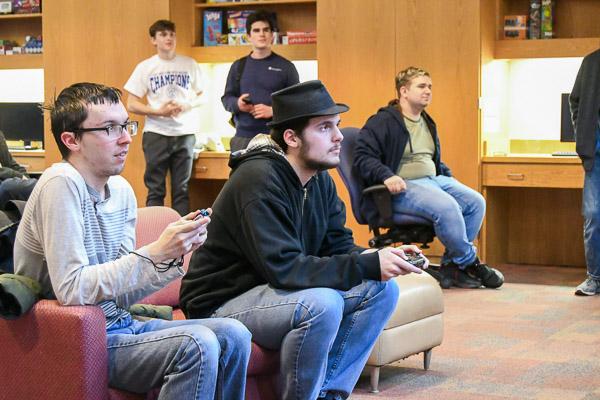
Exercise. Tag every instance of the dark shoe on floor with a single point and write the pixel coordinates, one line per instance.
(451, 275)
(490, 277)
(435, 272)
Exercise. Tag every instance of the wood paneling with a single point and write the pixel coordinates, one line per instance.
(356, 55)
(443, 37)
(545, 227)
(362, 45)
(181, 13)
(98, 41)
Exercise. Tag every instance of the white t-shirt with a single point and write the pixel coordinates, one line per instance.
(162, 80)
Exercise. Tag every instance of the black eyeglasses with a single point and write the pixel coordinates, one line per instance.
(114, 131)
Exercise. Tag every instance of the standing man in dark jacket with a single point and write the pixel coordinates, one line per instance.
(252, 79)
(585, 111)
(279, 259)
(15, 184)
(399, 147)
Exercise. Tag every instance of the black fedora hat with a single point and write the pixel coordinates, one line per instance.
(306, 99)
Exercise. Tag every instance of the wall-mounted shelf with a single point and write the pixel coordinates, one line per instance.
(15, 27)
(217, 54)
(21, 16)
(545, 48)
(22, 61)
(246, 4)
(292, 15)
(576, 30)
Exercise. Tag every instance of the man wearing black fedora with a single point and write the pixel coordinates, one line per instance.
(279, 259)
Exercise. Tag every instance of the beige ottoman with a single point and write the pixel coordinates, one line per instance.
(415, 326)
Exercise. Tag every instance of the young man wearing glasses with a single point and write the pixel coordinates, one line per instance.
(172, 85)
(77, 238)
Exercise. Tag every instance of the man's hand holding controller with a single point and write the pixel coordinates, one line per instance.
(394, 261)
(181, 237)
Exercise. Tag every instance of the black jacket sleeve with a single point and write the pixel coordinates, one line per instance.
(274, 249)
(9, 167)
(338, 239)
(584, 102)
(369, 154)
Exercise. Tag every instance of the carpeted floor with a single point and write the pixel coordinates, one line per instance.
(531, 339)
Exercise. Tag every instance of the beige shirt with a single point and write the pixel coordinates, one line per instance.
(417, 160)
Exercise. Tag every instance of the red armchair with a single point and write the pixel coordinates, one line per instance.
(56, 352)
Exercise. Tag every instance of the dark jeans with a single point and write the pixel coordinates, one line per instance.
(173, 153)
(591, 215)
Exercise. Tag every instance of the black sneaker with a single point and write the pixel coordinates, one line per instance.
(451, 275)
(490, 277)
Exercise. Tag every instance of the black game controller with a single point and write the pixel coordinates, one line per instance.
(202, 213)
(415, 259)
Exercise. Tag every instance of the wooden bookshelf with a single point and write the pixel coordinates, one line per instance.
(22, 61)
(217, 54)
(292, 15)
(15, 27)
(21, 16)
(576, 30)
(246, 4)
(545, 48)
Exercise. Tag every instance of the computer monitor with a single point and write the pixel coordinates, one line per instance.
(22, 122)
(567, 133)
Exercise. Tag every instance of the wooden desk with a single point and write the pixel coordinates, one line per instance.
(534, 210)
(209, 174)
(32, 160)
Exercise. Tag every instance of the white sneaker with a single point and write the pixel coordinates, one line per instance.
(589, 287)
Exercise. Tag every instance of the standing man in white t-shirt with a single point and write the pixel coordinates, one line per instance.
(172, 86)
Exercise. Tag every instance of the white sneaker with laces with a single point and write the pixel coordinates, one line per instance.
(589, 287)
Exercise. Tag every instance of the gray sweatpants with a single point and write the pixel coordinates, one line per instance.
(173, 153)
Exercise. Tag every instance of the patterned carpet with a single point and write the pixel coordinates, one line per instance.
(531, 339)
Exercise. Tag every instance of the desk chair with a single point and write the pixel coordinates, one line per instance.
(401, 228)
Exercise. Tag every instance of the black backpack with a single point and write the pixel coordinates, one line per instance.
(238, 78)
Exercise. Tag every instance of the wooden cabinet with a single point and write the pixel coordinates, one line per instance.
(576, 30)
(210, 172)
(538, 171)
(16, 27)
(533, 210)
(32, 160)
(211, 165)
(292, 15)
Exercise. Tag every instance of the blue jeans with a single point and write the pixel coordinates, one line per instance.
(591, 215)
(324, 335)
(455, 210)
(191, 359)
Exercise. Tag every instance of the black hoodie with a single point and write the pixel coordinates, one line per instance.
(379, 149)
(267, 228)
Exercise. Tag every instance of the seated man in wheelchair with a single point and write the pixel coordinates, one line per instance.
(399, 147)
